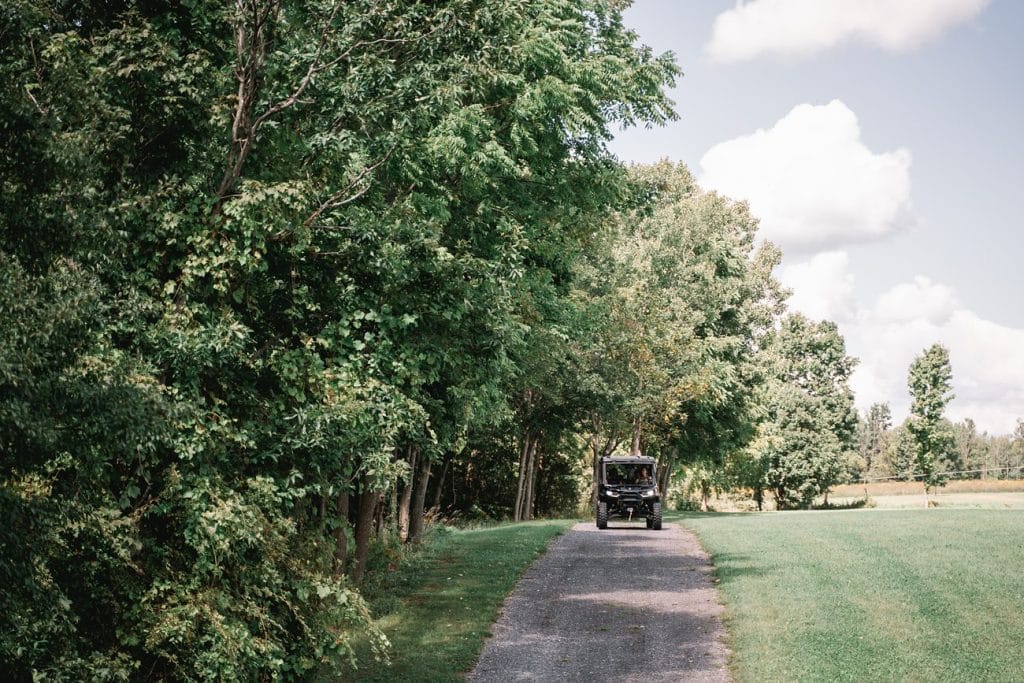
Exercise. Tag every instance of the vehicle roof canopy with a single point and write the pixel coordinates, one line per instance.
(634, 459)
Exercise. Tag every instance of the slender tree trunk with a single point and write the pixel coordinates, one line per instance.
(379, 517)
(438, 490)
(340, 537)
(393, 512)
(323, 510)
(634, 447)
(368, 500)
(455, 488)
(665, 473)
(524, 451)
(599, 451)
(411, 454)
(535, 466)
(419, 496)
(531, 474)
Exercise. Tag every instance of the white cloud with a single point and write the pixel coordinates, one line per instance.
(920, 299)
(987, 358)
(822, 287)
(812, 182)
(800, 28)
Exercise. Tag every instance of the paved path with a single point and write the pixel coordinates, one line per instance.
(622, 604)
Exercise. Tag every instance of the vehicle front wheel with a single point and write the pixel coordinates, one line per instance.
(655, 518)
(602, 515)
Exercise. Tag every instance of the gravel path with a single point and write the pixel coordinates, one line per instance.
(622, 604)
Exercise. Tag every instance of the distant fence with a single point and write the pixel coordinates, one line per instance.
(1013, 472)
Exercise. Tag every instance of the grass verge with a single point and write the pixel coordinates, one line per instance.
(437, 608)
(871, 595)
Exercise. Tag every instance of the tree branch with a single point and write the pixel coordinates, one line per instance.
(335, 200)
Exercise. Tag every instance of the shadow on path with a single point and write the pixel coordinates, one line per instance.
(623, 604)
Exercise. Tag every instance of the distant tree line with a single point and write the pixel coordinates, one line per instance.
(927, 446)
(886, 451)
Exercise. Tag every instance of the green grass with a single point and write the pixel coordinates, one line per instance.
(870, 595)
(438, 608)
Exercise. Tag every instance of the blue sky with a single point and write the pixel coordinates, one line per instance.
(879, 141)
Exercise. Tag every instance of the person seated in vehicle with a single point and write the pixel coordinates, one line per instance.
(644, 477)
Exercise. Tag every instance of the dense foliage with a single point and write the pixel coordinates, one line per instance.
(251, 255)
(930, 383)
(811, 421)
(964, 453)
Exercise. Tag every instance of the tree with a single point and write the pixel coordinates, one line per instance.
(900, 453)
(872, 435)
(1016, 469)
(811, 421)
(675, 306)
(930, 383)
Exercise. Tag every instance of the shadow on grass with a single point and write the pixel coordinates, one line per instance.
(437, 605)
(734, 565)
(704, 515)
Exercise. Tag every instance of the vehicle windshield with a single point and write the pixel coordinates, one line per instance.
(621, 473)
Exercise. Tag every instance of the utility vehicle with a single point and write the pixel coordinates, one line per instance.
(627, 487)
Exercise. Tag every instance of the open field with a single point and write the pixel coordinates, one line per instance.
(993, 500)
(898, 495)
(970, 493)
(437, 609)
(917, 595)
(897, 488)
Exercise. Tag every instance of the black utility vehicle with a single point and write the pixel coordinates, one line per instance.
(627, 488)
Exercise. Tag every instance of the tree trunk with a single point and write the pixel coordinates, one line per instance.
(531, 468)
(599, 451)
(393, 512)
(368, 500)
(379, 516)
(524, 451)
(340, 537)
(438, 490)
(665, 473)
(419, 497)
(634, 446)
(411, 454)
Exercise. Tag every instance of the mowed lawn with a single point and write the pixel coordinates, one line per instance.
(870, 595)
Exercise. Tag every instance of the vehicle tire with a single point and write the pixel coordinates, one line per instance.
(655, 517)
(602, 515)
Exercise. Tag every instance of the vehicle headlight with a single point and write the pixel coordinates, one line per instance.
(650, 494)
(613, 494)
